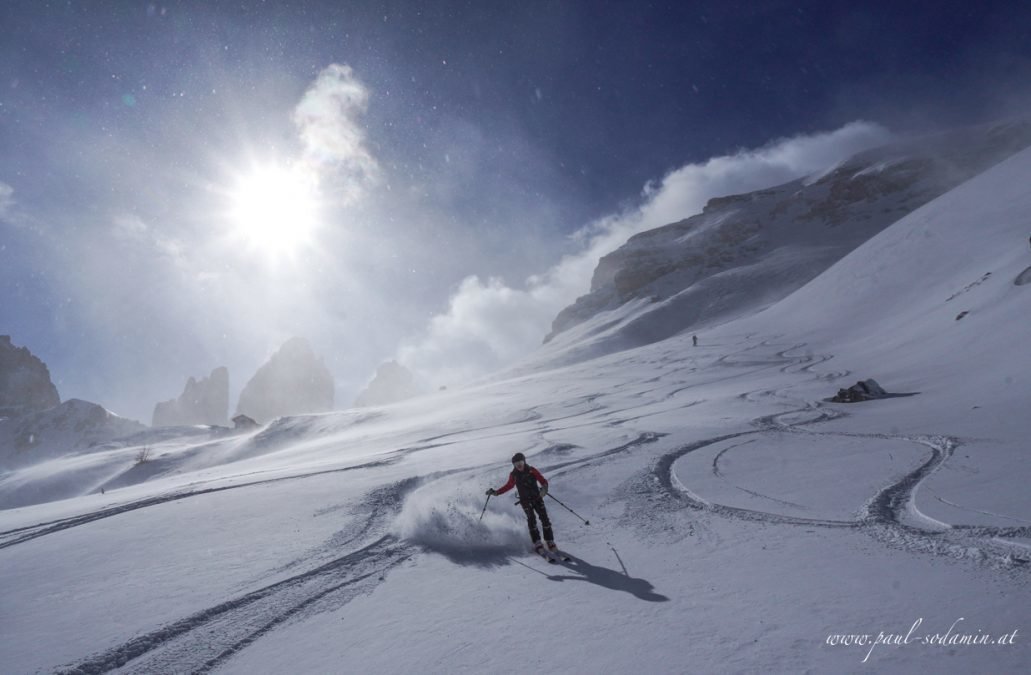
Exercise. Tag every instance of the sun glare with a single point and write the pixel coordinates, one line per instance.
(275, 209)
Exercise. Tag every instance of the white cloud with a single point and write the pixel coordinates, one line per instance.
(686, 190)
(334, 142)
(6, 199)
(131, 230)
(488, 324)
(129, 226)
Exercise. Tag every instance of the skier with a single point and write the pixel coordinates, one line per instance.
(531, 497)
(694, 340)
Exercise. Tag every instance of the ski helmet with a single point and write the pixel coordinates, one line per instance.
(518, 457)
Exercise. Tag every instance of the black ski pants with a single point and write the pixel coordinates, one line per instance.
(529, 507)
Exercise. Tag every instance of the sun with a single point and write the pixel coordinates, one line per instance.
(275, 209)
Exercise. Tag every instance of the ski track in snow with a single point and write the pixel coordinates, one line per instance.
(716, 472)
(984, 513)
(354, 560)
(29, 532)
(207, 639)
(891, 516)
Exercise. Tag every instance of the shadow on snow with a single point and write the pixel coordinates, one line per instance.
(606, 578)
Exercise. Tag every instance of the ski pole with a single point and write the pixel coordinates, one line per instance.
(484, 507)
(586, 522)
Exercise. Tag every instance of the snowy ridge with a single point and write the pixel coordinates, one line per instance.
(73, 426)
(744, 252)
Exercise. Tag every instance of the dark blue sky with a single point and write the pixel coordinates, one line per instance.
(500, 129)
(615, 93)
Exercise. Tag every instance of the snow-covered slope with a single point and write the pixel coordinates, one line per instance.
(744, 252)
(72, 427)
(933, 302)
(738, 521)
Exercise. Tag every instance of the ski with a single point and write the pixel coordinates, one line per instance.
(544, 554)
(562, 555)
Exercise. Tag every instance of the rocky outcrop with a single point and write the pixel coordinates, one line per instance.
(392, 383)
(747, 251)
(73, 426)
(202, 402)
(25, 385)
(244, 423)
(293, 382)
(864, 390)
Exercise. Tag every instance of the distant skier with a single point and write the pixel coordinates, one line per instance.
(531, 497)
(694, 340)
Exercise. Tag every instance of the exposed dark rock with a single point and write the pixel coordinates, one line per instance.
(202, 402)
(865, 390)
(1023, 278)
(25, 385)
(731, 256)
(392, 383)
(70, 427)
(243, 423)
(293, 382)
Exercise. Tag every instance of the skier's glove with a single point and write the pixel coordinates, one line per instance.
(544, 492)
(491, 491)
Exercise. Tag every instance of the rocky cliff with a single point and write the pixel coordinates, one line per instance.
(747, 251)
(392, 383)
(25, 385)
(71, 427)
(293, 382)
(202, 402)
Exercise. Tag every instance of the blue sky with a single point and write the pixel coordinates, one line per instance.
(470, 161)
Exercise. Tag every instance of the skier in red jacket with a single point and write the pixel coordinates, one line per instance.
(531, 497)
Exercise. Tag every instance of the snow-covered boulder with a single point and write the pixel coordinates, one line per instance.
(70, 427)
(202, 402)
(392, 383)
(25, 384)
(294, 381)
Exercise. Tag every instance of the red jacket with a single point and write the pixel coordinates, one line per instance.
(526, 482)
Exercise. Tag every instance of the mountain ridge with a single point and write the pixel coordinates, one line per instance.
(736, 255)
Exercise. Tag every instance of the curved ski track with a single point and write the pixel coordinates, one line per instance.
(884, 516)
(29, 532)
(208, 638)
